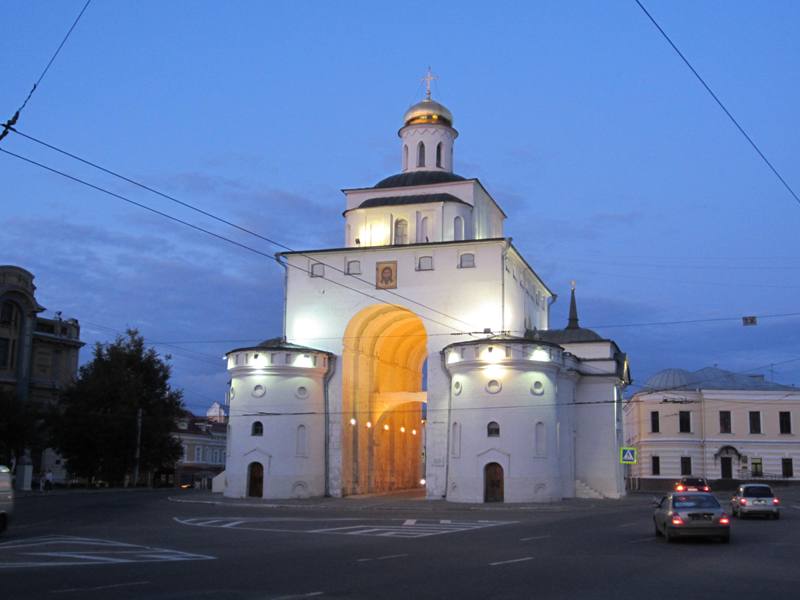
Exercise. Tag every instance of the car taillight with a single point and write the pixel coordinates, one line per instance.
(743, 501)
(724, 520)
(776, 501)
(680, 487)
(676, 520)
(706, 488)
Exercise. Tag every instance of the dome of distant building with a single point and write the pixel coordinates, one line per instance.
(418, 178)
(668, 379)
(428, 112)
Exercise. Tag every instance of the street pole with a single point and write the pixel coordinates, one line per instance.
(138, 446)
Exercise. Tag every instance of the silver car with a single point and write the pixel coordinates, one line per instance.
(6, 497)
(691, 514)
(755, 499)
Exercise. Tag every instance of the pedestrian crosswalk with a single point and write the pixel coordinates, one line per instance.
(395, 528)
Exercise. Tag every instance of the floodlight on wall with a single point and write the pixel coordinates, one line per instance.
(386, 427)
(352, 421)
(413, 432)
(402, 430)
(369, 424)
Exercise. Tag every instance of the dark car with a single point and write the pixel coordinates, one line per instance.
(755, 499)
(691, 514)
(6, 497)
(691, 484)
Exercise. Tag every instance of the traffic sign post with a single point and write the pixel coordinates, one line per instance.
(628, 456)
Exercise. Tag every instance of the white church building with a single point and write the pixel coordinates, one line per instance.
(419, 355)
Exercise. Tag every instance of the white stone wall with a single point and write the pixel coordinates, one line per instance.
(430, 136)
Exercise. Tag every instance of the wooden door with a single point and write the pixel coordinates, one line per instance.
(255, 480)
(493, 483)
(726, 467)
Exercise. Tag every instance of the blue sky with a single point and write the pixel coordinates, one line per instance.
(615, 167)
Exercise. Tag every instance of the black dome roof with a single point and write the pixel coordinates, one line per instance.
(418, 178)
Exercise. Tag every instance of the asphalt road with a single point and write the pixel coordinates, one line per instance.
(143, 544)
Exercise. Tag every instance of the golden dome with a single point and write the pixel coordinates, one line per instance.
(428, 112)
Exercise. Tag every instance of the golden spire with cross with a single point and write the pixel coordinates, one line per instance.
(427, 79)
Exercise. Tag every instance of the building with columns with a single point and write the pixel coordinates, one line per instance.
(419, 355)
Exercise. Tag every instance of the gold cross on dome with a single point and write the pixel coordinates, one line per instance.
(427, 79)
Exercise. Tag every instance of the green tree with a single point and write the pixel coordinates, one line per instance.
(95, 427)
(21, 427)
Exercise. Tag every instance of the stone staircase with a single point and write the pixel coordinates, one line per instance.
(584, 490)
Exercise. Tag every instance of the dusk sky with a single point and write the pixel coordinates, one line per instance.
(614, 165)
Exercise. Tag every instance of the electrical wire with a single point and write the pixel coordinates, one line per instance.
(8, 125)
(719, 102)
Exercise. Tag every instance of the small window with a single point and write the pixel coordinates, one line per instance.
(301, 442)
(685, 421)
(655, 425)
(724, 421)
(755, 421)
(466, 260)
(785, 420)
(456, 440)
(318, 270)
(493, 429)
(405, 158)
(401, 231)
(787, 468)
(198, 454)
(257, 429)
(425, 263)
(353, 267)
(655, 465)
(420, 154)
(541, 440)
(439, 155)
(423, 233)
(756, 467)
(686, 465)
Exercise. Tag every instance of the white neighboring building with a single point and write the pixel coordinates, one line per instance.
(715, 424)
(392, 388)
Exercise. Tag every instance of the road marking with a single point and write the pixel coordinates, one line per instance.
(513, 560)
(446, 521)
(67, 550)
(631, 524)
(100, 587)
(535, 537)
(797, 506)
(410, 522)
(388, 557)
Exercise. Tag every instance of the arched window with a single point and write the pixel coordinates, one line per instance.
(455, 441)
(425, 263)
(540, 440)
(257, 428)
(466, 260)
(423, 232)
(493, 429)
(401, 231)
(420, 154)
(405, 158)
(301, 449)
(458, 228)
(439, 155)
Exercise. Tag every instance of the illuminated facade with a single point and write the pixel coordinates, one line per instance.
(419, 354)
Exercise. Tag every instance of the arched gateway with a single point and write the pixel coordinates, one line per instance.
(384, 350)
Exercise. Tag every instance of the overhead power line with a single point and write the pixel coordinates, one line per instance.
(13, 120)
(719, 102)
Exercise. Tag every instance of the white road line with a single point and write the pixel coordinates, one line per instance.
(796, 506)
(233, 524)
(100, 587)
(410, 522)
(631, 524)
(390, 556)
(445, 521)
(536, 537)
(507, 562)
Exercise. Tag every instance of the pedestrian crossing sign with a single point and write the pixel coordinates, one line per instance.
(627, 456)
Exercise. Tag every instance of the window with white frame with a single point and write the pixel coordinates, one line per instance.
(318, 270)
(353, 267)
(425, 263)
(466, 260)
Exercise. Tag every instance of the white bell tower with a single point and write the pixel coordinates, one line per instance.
(427, 135)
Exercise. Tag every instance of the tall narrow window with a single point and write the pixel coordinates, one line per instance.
(756, 467)
(439, 155)
(785, 420)
(755, 421)
(455, 442)
(655, 465)
(541, 440)
(787, 468)
(401, 231)
(423, 233)
(301, 444)
(493, 429)
(685, 421)
(655, 425)
(405, 158)
(458, 229)
(724, 421)
(420, 154)
(686, 465)
(257, 428)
